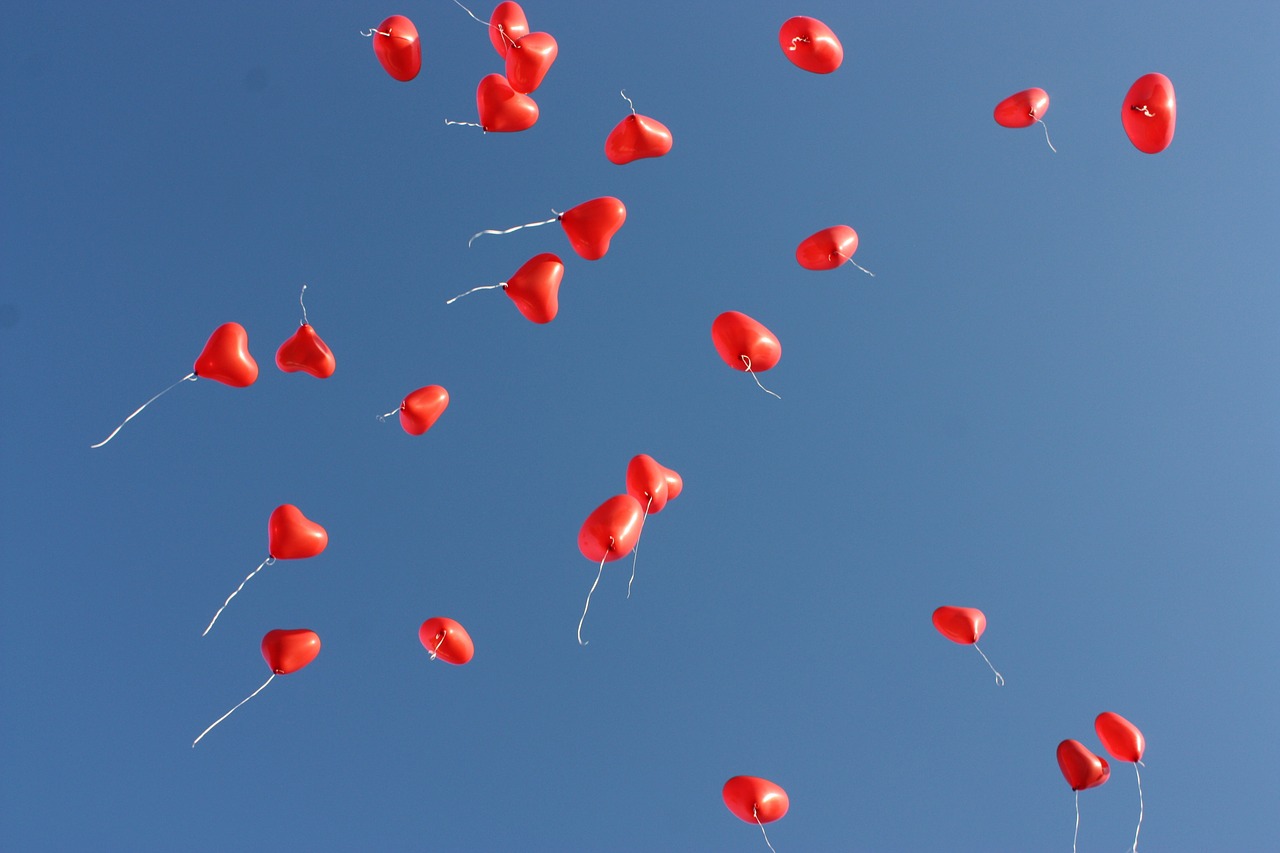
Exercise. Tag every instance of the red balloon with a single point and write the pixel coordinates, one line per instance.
(507, 24)
(635, 138)
(647, 482)
(447, 640)
(591, 225)
(529, 60)
(1120, 737)
(1080, 767)
(1022, 109)
(810, 45)
(293, 536)
(612, 529)
(226, 358)
(288, 650)
(737, 336)
(960, 624)
(1150, 113)
(422, 408)
(398, 50)
(535, 287)
(503, 109)
(754, 799)
(827, 249)
(307, 352)
(675, 484)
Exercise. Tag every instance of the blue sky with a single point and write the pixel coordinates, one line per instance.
(1056, 401)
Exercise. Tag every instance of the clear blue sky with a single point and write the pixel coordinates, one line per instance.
(1056, 401)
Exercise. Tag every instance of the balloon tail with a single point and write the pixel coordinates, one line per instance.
(1143, 109)
(593, 589)
(798, 40)
(556, 218)
(464, 123)
(1076, 837)
(635, 552)
(303, 304)
(1139, 829)
(747, 362)
(190, 376)
(855, 263)
(501, 284)
(755, 815)
(623, 93)
(232, 711)
(435, 652)
(1046, 135)
(383, 418)
(999, 677)
(265, 562)
(371, 34)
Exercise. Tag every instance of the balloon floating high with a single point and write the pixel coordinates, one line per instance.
(1150, 113)
(534, 288)
(829, 248)
(500, 108)
(636, 137)
(285, 651)
(421, 409)
(811, 45)
(609, 533)
(225, 358)
(395, 42)
(651, 485)
(1023, 109)
(755, 800)
(290, 536)
(1124, 742)
(305, 351)
(447, 640)
(590, 226)
(745, 344)
(529, 58)
(964, 625)
(507, 25)
(1082, 770)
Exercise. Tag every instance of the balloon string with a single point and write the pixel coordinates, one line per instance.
(747, 362)
(265, 562)
(593, 589)
(303, 304)
(372, 32)
(501, 284)
(1076, 837)
(635, 552)
(502, 32)
(1046, 134)
(232, 711)
(855, 263)
(190, 376)
(623, 93)
(1143, 109)
(999, 677)
(797, 40)
(516, 228)
(383, 418)
(464, 123)
(1139, 829)
(761, 825)
(435, 651)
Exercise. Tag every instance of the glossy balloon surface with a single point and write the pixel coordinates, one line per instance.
(399, 50)
(647, 482)
(751, 798)
(637, 137)
(811, 45)
(507, 24)
(1022, 109)
(529, 60)
(960, 624)
(422, 408)
(612, 529)
(305, 351)
(288, 650)
(1121, 738)
(828, 248)
(1150, 113)
(501, 108)
(225, 357)
(591, 225)
(447, 639)
(675, 484)
(293, 536)
(1080, 767)
(736, 335)
(535, 287)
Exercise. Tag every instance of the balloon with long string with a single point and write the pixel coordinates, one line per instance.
(1124, 742)
(420, 409)
(1023, 109)
(755, 800)
(447, 640)
(534, 288)
(305, 351)
(745, 344)
(286, 650)
(964, 625)
(1082, 770)
(636, 137)
(290, 536)
(649, 483)
(830, 248)
(609, 533)
(500, 108)
(590, 226)
(225, 358)
(506, 25)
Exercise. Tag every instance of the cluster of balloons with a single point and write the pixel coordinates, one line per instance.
(1148, 114)
(1083, 769)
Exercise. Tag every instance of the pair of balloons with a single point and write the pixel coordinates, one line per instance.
(1149, 113)
(810, 44)
(446, 639)
(613, 528)
(1122, 740)
(529, 56)
(590, 226)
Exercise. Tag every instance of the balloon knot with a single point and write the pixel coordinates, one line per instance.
(1143, 109)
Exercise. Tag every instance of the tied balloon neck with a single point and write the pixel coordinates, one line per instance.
(798, 40)
(1143, 109)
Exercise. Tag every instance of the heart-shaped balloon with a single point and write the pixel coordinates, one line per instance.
(811, 45)
(447, 640)
(293, 536)
(503, 109)
(637, 137)
(647, 482)
(1022, 109)
(962, 625)
(754, 800)
(422, 408)
(1150, 113)
(226, 358)
(535, 287)
(828, 248)
(288, 650)
(1120, 737)
(736, 335)
(612, 529)
(506, 25)
(675, 484)
(305, 351)
(529, 60)
(398, 48)
(591, 225)
(1080, 767)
